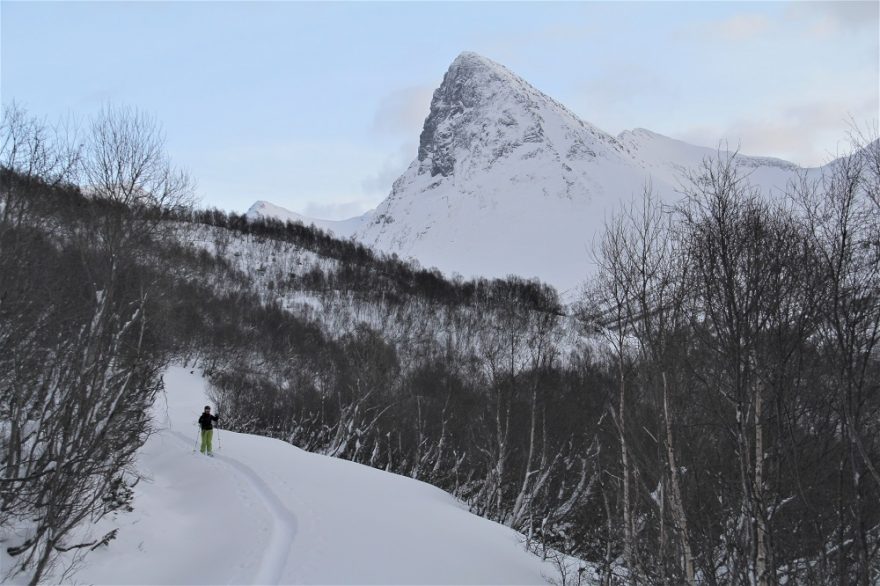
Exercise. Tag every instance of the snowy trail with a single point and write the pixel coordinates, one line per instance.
(284, 522)
(265, 512)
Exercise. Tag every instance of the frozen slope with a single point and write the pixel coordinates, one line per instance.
(266, 512)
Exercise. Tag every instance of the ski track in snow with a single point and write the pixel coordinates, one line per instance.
(284, 522)
(284, 525)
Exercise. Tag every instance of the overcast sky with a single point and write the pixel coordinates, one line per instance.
(317, 107)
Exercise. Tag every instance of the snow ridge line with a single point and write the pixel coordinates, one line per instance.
(284, 522)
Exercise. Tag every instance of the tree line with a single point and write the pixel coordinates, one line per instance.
(364, 269)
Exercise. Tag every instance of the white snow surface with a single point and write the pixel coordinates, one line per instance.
(265, 512)
(509, 181)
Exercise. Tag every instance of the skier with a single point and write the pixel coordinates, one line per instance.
(207, 430)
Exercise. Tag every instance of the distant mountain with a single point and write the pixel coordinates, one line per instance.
(509, 181)
(339, 228)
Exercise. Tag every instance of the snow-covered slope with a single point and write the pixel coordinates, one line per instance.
(264, 512)
(339, 228)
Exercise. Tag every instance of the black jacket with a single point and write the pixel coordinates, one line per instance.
(206, 419)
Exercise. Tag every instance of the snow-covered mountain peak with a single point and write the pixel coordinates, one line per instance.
(482, 112)
(509, 181)
(469, 64)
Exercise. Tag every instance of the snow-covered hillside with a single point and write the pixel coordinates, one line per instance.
(509, 181)
(265, 512)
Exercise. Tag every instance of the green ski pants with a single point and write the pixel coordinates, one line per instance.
(206, 440)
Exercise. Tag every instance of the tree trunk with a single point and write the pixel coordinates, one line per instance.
(677, 501)
(758, 508)
(521, 500)
(628, 548)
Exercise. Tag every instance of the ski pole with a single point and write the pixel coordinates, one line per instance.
(219, 443)
(198, 437)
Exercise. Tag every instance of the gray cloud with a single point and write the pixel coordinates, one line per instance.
(839, 16)
(819, 19)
